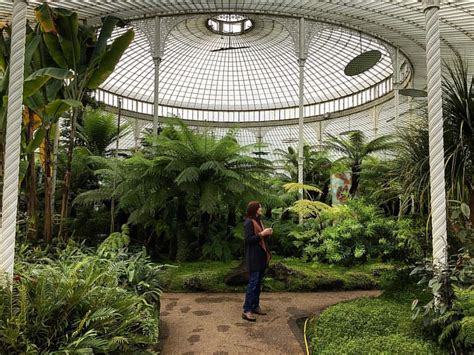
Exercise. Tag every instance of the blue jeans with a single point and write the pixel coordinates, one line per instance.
(252, 295)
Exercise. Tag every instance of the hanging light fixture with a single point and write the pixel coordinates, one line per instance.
(363, 62)
(413, 92)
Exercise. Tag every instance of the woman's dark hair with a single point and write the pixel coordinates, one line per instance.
(252, 209)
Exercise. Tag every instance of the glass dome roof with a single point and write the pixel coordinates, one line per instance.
(253, 74)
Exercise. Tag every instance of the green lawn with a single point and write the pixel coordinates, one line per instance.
(381, 325)
(209, 276)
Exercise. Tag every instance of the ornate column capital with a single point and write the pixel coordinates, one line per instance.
(148, 27)
(427, 4)
(292, 25)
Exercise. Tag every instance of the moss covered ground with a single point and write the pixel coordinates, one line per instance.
(208, 276)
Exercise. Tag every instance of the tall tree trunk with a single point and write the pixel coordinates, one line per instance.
(182, 246)
(32, 206)
(68, 174)
(471, 205)
(355, 176)
(48, 215)
(54, 165)
(231, 217)
(204, 230)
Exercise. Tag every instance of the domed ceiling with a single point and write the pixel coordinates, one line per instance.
(256, 70)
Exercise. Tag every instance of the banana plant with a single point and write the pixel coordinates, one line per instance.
(43, 83)
(76, 46)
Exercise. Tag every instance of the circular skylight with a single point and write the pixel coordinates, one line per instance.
(229, 24)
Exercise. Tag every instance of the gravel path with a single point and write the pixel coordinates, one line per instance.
(202, 323)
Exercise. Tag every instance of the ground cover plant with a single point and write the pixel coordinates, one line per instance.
(370, 325)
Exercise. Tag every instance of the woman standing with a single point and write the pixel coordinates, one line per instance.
(257, 257)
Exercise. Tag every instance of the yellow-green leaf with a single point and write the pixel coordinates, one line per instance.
(44, 16)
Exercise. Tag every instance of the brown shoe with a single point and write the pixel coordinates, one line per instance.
(249, 316)
(258, 310)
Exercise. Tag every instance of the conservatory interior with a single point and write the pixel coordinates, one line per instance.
(152, 153)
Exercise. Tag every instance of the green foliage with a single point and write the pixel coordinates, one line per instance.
(316, 167)
(209, 276)
(388, 344)
(368, 325)
(72, 299)
(355, 149)
(115, 243)
(191, 182)
(98, 130)
(355, 232)
(74, 307)
(204, 281)
(452, 301)
(217, 248)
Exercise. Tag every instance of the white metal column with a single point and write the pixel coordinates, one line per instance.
(435, 122)
(301, 63)
(13, 139)
(396, 86)
(156, 61)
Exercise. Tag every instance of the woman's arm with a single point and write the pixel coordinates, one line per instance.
(250, 236)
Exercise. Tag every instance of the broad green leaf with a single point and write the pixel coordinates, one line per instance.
(23, 170)
(110, 60)
(68, 28)
(37, 140)
(466, 211)
(54, 49)
(44, 16)
(101, 45)
(40, 77)
(294, 186)
(3, 63)
(53, 88)
(31, 47)
(57, 107)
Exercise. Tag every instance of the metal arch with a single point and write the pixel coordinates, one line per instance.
(312, 28)
(167, 24)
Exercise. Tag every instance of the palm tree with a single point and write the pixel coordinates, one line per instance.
(355, 149)
(410, 174)
(183, 177)
(213, 174)
(316, 167)
(98, 131)
(412, 158)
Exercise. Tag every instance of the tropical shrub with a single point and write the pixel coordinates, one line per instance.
(74, 307)
(355, 232)
(449, 313)
(81, 301)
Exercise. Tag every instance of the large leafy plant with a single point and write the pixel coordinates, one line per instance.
(355, 232)
(77, 47)
(81, 301)
(449, 314)
(354, 149)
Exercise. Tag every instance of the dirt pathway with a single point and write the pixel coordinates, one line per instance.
(200, 323)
